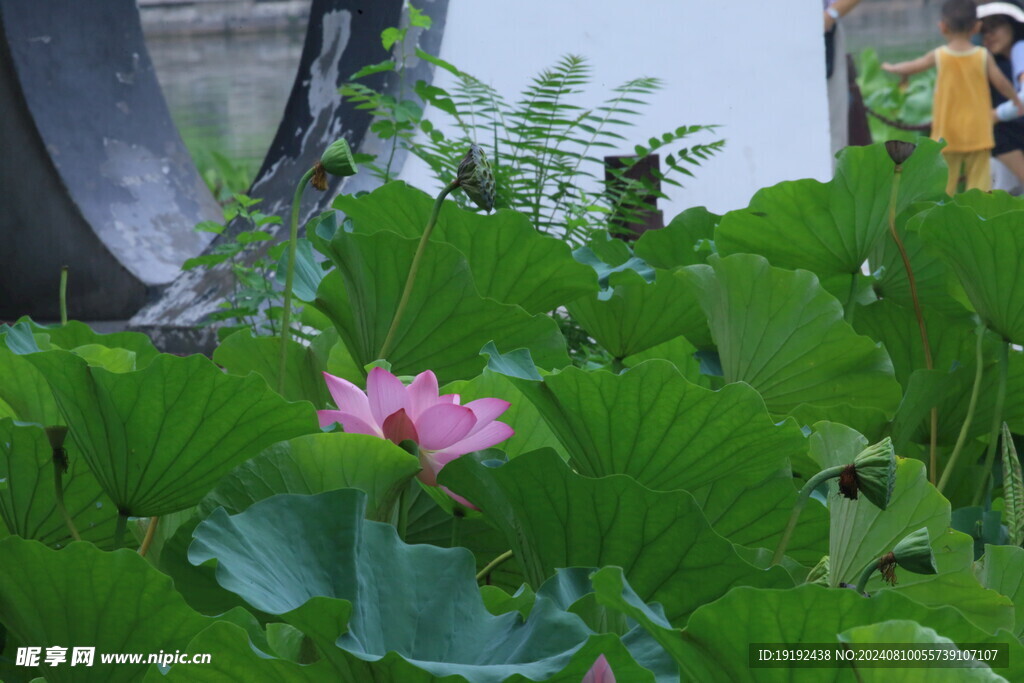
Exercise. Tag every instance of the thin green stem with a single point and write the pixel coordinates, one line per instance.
(457, 528)
(851, 304)
(410, 280)
(862, 582)
(403, 511)
(59, 465)
(997, 421)
(122, 525)
(293, 236)
(798, 507)
(979, 360)
(150, 535)
(493, 564)
(63, 295)
(897, 174)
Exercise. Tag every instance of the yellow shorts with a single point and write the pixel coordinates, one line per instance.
(975, 166)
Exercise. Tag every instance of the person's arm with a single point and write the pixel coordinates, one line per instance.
(1007, 111)
(843, 7)
(1003, 85)
(912, 67)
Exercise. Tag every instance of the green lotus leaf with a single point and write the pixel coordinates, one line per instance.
(552, 517)
(362, 595)
(1002, 570)
(509, 260)
(677, 243)
(989, 204)
(158, 439)
(24, 391)
(81, 596)
(984, 255)
(634, 315)
(680, 353)
(28, 502)
(242, 353)
(831, 228)
(75, 334)
(532, 432)
(715, 642)
(780, 332)
(907, 631)
(445, 323)
(316, 463)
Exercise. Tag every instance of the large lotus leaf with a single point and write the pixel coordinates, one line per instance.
(158, 439)
(1002, 570)
(413, 613)
(656, 426)
(907, 631)
(316, 463)
(862, 533)
(241, 353)
(780, 332)
(75, 334)
(830, 228)
(83, 597)
(552, 517)
(446, 322)
(681, 353)
(934, 282)
(989, 204)
(715, 642)
(635, 315)
(510, 261)
(954, 584)
(532, 432)
(677, 243)
(985, 256)
(24, 391)
(28, 501)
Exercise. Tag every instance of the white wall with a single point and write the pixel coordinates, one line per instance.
(756, 67)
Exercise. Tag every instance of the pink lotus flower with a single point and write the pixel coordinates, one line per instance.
(601, 672)
(441, 427)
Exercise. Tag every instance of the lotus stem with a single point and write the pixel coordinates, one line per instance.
(410, 280)
(457, 527)
(122, 526)
(979, 360)
(897, 174)
(150, 534)
(293, 236)
(60, 465)
(848, 308)
(63, 295)
(798, 507)
(493, 564)
(403, 512)
(862, 582)
(997, 420)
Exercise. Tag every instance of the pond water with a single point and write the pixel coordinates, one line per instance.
(227, 91)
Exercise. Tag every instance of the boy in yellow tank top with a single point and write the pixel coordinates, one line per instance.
(962, 109)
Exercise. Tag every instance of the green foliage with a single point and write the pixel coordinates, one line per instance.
(908, 102)
(546, 150)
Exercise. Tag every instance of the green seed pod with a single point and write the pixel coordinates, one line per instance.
(56, 435)
(914, 553)
(476, 179)
(337, 159)
(873, 474)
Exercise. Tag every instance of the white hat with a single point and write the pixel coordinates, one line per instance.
(991, 9)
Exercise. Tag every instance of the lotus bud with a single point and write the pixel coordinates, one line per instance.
(899, 151)
(476, 179)
(819, 574)
(873, 473)
(914, 553)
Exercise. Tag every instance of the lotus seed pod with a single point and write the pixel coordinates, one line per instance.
(476, 179)
(914, 553)
(899, 151)
(56, 435)
(338, 160)
(872, 473)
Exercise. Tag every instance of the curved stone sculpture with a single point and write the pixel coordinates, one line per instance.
(343, 36)
(93, 173)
